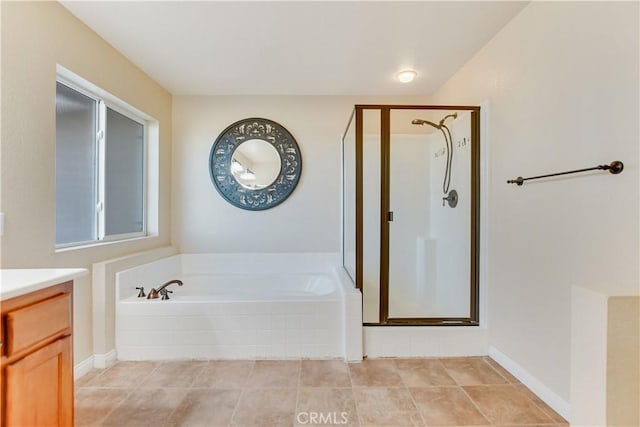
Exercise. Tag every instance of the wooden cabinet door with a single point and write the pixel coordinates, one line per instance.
(39, 387)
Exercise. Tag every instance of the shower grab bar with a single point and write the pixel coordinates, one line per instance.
(614, 168)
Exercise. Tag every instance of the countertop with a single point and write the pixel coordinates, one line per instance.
(16, 282)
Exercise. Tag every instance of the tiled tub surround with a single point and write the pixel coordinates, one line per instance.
(388, 392)
(239, 306)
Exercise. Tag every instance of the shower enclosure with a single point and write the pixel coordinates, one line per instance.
(411, 184)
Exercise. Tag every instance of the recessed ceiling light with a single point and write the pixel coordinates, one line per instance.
(406, 76)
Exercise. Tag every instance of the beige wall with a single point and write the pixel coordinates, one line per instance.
(309, 220)
(35, 37)
(562, 82)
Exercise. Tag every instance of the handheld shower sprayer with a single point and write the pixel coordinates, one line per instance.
(437, 126)
(424, 122)
(446, 183)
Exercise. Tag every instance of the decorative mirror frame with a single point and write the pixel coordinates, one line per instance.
(220, 164)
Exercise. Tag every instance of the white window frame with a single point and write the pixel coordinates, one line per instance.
(102, 169)
(105, 100)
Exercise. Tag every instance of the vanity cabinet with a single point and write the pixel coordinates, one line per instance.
(37, 358)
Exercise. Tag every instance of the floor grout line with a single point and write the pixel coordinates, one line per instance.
(415, 405)
(542, 409)
(195, 378)
(355, 401)
(496, 371)
(461, 388)
(515, 386)
(295, 409)
(244, 387)
(473, 402)
(101, 422)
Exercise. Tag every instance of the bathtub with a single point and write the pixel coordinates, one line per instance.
(251, 287)
(256, 306)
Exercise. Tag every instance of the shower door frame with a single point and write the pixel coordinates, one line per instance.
(385, 153)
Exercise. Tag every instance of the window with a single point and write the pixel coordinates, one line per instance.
(101, 174)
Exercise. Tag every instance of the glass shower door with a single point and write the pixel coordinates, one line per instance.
(411, 208)
(429, 222)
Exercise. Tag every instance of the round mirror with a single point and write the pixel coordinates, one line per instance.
(255, 164)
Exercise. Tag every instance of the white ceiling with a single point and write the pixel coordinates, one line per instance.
(298, 47)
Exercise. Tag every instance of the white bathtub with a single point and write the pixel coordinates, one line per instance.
(251, 287)
(239, 307)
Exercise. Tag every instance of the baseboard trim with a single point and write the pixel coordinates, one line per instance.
(103, 361)
(549, 397)
(81, 369)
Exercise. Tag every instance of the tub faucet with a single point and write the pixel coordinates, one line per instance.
(154, 293)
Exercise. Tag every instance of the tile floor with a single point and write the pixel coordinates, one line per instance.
(377, 392)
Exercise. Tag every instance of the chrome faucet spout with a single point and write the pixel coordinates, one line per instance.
(154, 293)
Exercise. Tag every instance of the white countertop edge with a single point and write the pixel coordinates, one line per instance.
(17, 282)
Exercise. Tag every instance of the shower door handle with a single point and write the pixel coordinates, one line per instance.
(390, 216)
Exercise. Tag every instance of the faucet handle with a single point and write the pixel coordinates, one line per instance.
(141, 294)
(165, 294)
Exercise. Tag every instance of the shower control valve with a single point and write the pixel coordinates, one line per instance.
(452, 199)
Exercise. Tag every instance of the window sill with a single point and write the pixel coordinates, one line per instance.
(102, 243)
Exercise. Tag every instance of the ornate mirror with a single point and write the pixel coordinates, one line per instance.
(255, 164)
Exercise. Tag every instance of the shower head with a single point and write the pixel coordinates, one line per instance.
(424, 122)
